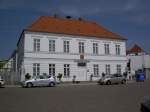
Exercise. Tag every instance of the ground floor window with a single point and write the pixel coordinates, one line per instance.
(96, 69)
(107, 69)
(36, 69)
(52, 69)
(118, 67)
(66, 70)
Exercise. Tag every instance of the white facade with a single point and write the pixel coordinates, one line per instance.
(139, 62)
(27, 56)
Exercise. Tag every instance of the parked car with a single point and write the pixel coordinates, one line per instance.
(112, 79)
(145, 104)
(2, 83)
(40, 80)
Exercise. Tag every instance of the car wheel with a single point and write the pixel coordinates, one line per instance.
(108, 83)
(123, 81)
(29, 85)
(51, 84)
(0, 85)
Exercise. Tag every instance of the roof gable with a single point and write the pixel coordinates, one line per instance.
(136, 49)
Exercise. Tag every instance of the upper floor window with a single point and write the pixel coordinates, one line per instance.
(36, 44)
(81, 47)
(106, 48)
(66, 46)
(107, 69)
(66, 70)
(117, 49)
(96, 69)
(95, 48)
(51, 45)
(36, 69)
(118, 69)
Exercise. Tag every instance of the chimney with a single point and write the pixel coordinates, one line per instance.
(68, 17)
(80, 19)
(55, 15)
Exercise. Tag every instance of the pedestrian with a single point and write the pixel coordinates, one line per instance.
(74, 79)
(91, 77)
(59, 77)
(103, 74)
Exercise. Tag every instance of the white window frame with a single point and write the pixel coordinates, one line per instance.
(118, 69)
(96, 69)
(36, 45)
(118, 49)
(66, 70)
(107, 49)
(52, 69)
(95, 48)
(81, 47)
(36, 69)
(66, 46)
(51, 45)
(107, 69)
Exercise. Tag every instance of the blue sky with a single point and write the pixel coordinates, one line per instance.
(128, 18)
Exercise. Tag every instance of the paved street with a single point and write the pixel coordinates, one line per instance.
(74, 98)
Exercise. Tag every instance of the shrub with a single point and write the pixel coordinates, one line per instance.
(27, 76)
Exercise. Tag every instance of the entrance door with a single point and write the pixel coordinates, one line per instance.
(82, 76)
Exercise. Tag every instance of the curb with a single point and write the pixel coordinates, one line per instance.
(68, 84)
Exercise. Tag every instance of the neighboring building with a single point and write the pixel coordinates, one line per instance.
(139, 60)
(14, 58)
(10, 65)
(7, 65)
(71, 47)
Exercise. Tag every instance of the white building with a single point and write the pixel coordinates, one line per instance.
(71, 47)
(139, 60)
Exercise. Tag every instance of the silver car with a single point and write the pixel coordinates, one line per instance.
(40, 80)
(112, 79)
(2, 83)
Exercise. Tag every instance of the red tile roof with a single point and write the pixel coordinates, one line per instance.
(71, 27)
(136, 49)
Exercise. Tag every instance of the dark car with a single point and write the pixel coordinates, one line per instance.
(145, 104)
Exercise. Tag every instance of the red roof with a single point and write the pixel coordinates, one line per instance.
(136, 49)
(71, 27)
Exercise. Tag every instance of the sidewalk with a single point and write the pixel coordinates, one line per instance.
(70, 84)
(12, 86)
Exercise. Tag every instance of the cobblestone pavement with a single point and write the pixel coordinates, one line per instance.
(82, 97)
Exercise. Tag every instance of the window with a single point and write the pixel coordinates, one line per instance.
(52, 69)
(95, 48)
(36, 69)
(66, 70)
(117, 49)
(66, 46)
(81, 47)
(36, 44)
(118, 69)
(106, 48)
(51, 45)
(107, 69)
(96, 70)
